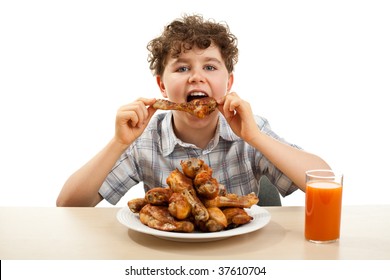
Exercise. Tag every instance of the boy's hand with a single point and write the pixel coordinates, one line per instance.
(239, 116)
(132, 119)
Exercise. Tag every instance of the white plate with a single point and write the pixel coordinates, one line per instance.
(261, 218)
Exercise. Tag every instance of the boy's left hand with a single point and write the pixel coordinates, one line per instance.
(239, 116)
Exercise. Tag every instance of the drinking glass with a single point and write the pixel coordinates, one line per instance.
(323, 205)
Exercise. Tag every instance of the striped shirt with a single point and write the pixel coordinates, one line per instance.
(157, 152)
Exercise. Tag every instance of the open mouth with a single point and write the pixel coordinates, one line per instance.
(196, 95)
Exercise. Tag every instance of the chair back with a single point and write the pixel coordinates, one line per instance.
(268, 193)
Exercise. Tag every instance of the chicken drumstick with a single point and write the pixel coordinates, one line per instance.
(158, 217)
(198, 107)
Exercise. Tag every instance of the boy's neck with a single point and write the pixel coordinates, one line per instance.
(199, 137)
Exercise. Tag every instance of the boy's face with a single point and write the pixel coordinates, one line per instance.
(195, 72)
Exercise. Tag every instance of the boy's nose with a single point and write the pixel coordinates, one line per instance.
(196, 76)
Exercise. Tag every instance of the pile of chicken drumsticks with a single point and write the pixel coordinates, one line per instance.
(193, 201)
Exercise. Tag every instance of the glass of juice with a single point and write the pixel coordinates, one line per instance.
(324, 190)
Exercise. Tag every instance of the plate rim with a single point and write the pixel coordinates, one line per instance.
(256, 211)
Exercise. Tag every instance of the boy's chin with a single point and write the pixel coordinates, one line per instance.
(193, 120)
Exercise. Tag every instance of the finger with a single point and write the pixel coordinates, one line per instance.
(147, 110)
(232, 101)
(229, 106)
(151, 112)
(228, 114)
(133, 113)
(148, 101)
(127, 117)
(140, 110)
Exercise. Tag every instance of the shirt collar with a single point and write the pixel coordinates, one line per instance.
(224, 130)
(169, 139)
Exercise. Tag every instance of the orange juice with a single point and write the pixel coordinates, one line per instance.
(323, 211)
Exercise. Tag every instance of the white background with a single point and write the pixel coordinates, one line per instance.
(319, 71)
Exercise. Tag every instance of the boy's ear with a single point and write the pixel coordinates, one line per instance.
(230, 82)
(161, 85)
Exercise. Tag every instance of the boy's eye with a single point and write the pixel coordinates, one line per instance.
(186, 68)
(182, 69)
(209, 67)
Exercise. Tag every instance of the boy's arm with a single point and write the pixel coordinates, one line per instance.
(82, 187)
(291, 161)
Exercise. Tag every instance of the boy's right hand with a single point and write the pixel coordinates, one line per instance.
(132, 119)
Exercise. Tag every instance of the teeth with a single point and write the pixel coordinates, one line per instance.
(197, 94)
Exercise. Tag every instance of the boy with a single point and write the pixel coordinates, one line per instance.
(192, 58)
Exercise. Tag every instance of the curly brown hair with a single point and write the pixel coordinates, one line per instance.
(185, 33)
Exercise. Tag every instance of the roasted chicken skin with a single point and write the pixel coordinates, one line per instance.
(205, 185)
(158, 217)
(158, 196)
(179, 207)
(192, 166)
(216, 222)
(200, 108)
(198, 210)
(236, 216)
(135, 205)
(179, 183)
(233, 200)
